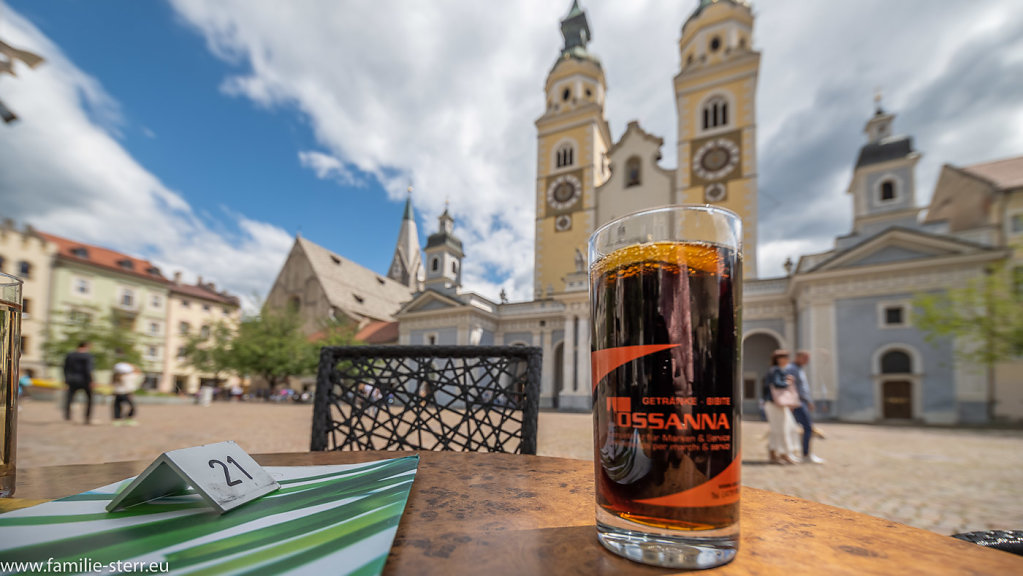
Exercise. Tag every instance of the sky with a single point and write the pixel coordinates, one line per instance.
(204, 134)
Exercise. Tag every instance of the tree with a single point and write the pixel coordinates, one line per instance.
(111, 337)
(213, 354)
(987, 314)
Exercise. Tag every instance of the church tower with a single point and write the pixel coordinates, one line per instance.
(883, 185)
(444, 257)
(572, 141)
(715, 94)
(406, 265)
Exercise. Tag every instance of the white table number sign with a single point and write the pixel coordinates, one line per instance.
(222, 473)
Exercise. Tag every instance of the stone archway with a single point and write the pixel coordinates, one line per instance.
(757, 348)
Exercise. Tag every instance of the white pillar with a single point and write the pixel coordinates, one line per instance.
(583, 384)
(566, 355)
(547, 370)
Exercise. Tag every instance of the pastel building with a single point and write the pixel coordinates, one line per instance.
(28, 255)
(91, 282)
(195, 310)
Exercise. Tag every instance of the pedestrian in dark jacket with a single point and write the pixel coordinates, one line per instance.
(78, 376)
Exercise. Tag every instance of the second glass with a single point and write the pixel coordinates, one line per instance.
(10, 351)
(665, 300)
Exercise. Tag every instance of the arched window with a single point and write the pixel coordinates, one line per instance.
(435, 264)
(632, 175)
(294, 304)
(715, 113)
(888, 190)
(454, 267)
(896, 362)
(565, 156)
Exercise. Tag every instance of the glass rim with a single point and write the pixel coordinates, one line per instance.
(8, 280)
(707, 208)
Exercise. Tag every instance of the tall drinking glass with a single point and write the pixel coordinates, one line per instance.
(10, 352)
(665, 301)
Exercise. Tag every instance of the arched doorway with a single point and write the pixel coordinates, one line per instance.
(896, 385)
(559, 373)
(757, 348)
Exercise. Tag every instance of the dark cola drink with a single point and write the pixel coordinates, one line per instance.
(666, 402)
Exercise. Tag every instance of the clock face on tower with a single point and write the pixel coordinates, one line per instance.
(715, 159)
(563, 192)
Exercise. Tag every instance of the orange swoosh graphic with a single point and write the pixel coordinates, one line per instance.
(604, 361)
(710, 493)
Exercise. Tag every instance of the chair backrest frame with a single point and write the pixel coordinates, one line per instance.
(341, 367)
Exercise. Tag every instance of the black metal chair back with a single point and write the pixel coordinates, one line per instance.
(460, 398)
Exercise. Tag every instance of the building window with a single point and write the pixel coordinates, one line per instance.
(181, 351)
(887, 191)
(1016, 223)
(185, 303)
(82, 286)
(435, 264)
(294, 304)
(152, 352)
(24, 269)
(128, 298)
(632, 176)
(893, 316)
(156, 301)
(715, 113)
(204, 332)
(226, 311)
(205, 307)
(80, 252)
(1, 263)
(26, 306)
(715, 44)
(126, 264)
(896, 362)
(154, 329)
(184, 328)
(565, 156)
(454, 267)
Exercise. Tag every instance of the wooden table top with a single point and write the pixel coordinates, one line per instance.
(479, 513)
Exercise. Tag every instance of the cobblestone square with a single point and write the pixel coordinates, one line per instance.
(941, 479)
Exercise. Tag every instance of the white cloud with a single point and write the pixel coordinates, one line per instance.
(62, 170)
(327, 167)
(447, 91)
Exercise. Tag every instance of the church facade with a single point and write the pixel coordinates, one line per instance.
(849, 306)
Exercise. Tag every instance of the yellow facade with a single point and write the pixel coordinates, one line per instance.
(565, 202)
(718, 64)
(716, 163)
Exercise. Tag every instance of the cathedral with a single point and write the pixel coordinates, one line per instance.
(849, 306)
(585, 179)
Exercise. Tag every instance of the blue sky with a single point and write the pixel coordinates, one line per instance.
(220, 153)
(203, 134)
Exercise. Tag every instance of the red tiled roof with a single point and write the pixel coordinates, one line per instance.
(204, 292)
(379, 333)
(1007, 173)
(104, 258)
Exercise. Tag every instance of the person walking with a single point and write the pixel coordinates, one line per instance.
(781, 425)
(78, 376)
(124, 384)
(802, 412)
